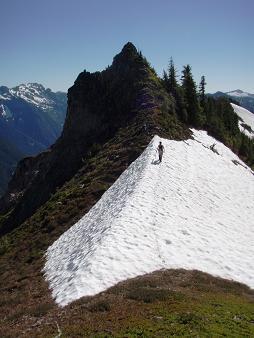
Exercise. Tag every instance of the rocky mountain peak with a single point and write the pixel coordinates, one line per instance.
(128, 55)
(129, 48)
(237, 91)
(4, 89)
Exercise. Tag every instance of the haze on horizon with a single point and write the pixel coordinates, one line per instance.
(51, 42)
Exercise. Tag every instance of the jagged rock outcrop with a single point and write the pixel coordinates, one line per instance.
(98, 105)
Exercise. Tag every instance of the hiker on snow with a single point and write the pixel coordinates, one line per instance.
(160, 150)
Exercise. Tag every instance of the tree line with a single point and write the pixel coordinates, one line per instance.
(197, 110)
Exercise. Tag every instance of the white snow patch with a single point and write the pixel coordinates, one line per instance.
(2, 110)
(4, 97)
(247, 117)
(195, 210)
(239, 94)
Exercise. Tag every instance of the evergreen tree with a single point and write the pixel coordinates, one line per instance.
(202, 91)
(172, 82)
(165, 80)
(180, 105)
(243, 150)
(191, 98)
(175, 90)
(199, 110)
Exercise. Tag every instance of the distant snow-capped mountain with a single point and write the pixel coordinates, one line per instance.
(31, 119)
(246, 100)
(31, 116)
(35, 94)
(38, 96)
(239, 93)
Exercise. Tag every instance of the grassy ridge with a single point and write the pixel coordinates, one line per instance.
(167, 303)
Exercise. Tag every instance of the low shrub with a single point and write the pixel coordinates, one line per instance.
(148, 295)
(41, 309)
(99, 306)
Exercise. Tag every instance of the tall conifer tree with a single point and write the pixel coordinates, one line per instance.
(202, 92)
(175, 90)
(172, 82)
(165, 79)
(191, 98)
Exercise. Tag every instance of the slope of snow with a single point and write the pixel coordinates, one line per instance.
(247, 117)
(195, 210)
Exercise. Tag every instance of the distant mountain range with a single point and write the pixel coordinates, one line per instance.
(31, 119)
(246, 100)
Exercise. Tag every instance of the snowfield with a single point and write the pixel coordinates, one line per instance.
(195, 210)
(247, 117)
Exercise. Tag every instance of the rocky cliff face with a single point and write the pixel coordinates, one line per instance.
(9, 156)
(98, 105)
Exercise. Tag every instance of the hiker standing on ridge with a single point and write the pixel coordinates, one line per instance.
(161, 150)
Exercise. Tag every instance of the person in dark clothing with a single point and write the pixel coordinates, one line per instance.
(161, 150)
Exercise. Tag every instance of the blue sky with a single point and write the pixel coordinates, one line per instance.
(52, 41)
